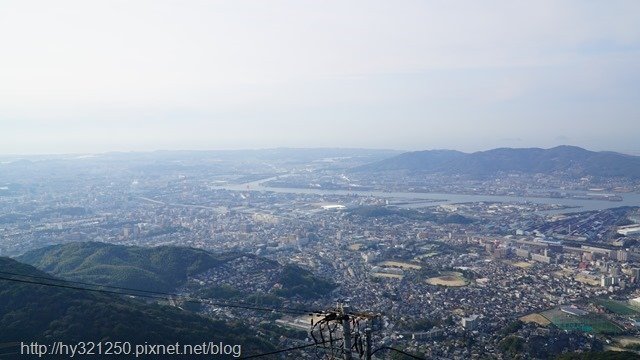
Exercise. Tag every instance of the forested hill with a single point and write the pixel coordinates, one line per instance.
(35, 312)
(156, 269)
(166, 268)
(568, 160)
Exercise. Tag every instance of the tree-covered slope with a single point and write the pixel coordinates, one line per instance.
(35, 312)
(569, 160)
(158, 269)
(166, 268)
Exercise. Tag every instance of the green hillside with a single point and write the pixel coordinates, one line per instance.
(300, 282)
(166, 268)
(33, 312)
(156, 269)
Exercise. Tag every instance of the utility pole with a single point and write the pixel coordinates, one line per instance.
(355, 342)
(367, 334)
(346, 332)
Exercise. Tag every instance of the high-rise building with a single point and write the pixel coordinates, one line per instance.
(606, 281)
(522, 253)
(615, 271)
(622, 255)
(541, 258)
(470, 322)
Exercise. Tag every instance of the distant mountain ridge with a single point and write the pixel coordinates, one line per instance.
(568, 160)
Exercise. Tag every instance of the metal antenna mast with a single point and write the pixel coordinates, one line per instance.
(356, 329)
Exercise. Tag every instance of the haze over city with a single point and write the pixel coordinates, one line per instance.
(297, 179)
(78, 77)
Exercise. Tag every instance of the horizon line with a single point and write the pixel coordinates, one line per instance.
(98, 153)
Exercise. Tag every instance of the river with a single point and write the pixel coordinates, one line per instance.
(432, 199)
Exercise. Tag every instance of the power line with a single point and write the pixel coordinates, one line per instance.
(116, 290)
(154, 295)
(149, 294)
(399, 351)
(85, 283)
(161, 296)
(288, 349)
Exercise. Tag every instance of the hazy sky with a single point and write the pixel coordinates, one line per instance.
(94, 76)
